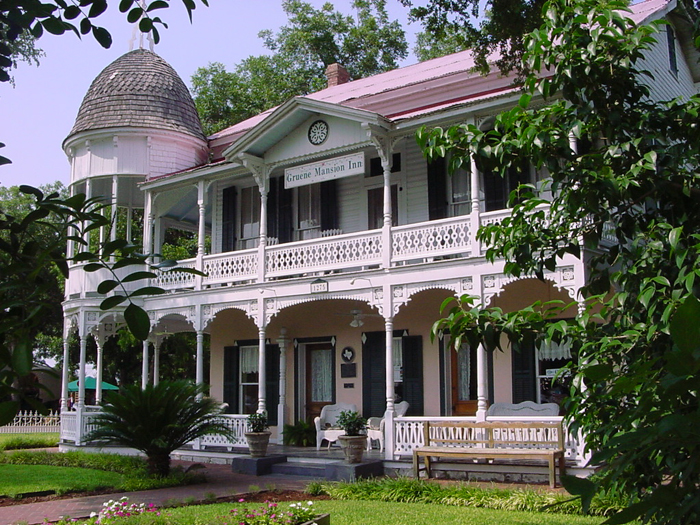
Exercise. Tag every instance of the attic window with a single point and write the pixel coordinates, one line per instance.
(672, 59)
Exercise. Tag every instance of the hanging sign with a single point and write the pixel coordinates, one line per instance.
(336, 168)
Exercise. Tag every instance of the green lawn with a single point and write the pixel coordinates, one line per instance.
(21, 441)
(372, 513)
(21, 479)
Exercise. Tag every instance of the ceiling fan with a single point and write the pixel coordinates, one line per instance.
(357, 317)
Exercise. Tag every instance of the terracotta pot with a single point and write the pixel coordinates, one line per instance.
(257, 443)
(353, 447)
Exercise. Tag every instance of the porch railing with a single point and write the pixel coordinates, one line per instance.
(29, 421)
(408, 434)
(432, 239)
(236, 423)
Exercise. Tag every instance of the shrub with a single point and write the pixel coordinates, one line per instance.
(302, 434)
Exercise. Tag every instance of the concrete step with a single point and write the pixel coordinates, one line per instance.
(299, 468)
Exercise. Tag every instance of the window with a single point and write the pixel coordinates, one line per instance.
(459, 192)
(375, 165)
(309, 211)
(672, 59)
(250, 217)
(248, 366)
(497, 189)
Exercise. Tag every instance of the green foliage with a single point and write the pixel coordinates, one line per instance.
(17, 480)
(23, 441)
(633, 189)
(351, 422)
(312, 40)
(405, 490)
(257, 422)
(301, 434)
(158, 420)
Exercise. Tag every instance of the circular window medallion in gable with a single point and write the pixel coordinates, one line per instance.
(318, 132)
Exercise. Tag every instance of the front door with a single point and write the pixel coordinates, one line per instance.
(320, 378)
(463, 368)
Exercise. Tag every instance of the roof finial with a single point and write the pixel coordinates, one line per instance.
(149, 36)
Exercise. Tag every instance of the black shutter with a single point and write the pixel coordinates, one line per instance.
(285, 217)
(329, 205)
(272, 382)
(374, 374)
(524, 380)
(413, 374)
(273, 207)
(437, 189)
(231, 375)
(228, 219)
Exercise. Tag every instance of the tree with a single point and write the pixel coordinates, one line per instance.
(430, 45)
(22, 21)
(630, 195)
(158, 420)
(24, 49)
(311, 41)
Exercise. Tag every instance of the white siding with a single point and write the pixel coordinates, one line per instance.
(415, 167)
(349, 195)
(133, 155)
(103, 160)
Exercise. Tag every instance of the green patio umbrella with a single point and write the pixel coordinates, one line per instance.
(90, 384)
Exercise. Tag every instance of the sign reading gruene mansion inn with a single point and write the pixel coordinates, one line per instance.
(326, 240)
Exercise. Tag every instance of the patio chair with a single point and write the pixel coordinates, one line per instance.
(375, 426)
(326, 423)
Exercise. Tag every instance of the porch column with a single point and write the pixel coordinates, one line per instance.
(98, 386)
(129, 217)
(148, 224)
(386, 226)
(481, 384)
(476, 211)
(86, 235)
(156, 360)
(81, 371)
(200, 232)
(64, 374)
(263, 232)
(389, 414)
(282, 341)
(261, 369)
(199, 370)
(144, 366)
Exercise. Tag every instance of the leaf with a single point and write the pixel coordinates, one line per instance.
(685, 325)
(136, 276)
(22, 357)
(138, 322)
(582, 487)
(102, 36)
(8, 411)
(107, 286)
(147, 290)
(111, 302)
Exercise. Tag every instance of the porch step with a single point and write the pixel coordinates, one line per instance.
(300, 468)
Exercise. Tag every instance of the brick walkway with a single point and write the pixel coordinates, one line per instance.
(221, 481)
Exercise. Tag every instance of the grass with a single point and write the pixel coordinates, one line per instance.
(127, 473)
(23, 441)
(369, 513)
(16, 480)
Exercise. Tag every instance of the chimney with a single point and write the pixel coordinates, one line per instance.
(336, 75)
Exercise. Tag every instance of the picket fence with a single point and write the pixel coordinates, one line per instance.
(28, 422)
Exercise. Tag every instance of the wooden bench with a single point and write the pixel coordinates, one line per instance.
(490, 440)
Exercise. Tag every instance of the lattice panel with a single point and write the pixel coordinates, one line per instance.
(323, 254)
(432, 239)
(173, 279)
(230, 268)
(238, 424)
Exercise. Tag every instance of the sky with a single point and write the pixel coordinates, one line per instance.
(37, 115)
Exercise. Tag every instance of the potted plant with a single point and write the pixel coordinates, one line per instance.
(258, 437)
(354, 441)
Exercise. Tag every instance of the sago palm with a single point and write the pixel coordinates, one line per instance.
(158, 420)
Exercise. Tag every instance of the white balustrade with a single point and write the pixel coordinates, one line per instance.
(325, 254)
(30, 421)
(230, 267)
(236, 423)
(175, 280)
(493, 217)
(432, 239)
(69, 426)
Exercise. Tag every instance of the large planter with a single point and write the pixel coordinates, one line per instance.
(353, 447)
(257, 443)
(321, 519)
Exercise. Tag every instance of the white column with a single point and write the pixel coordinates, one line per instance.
(144, 366)
(386, 226)
(199, 370)
(156, 360)
(263, 233)
(481, 384)
(282, 341)
(64, 374)
(389, 414)
(475, 212)
(81, 371)
(148, 224)
(261, 369)
(113, 218)
(200, 232)
(98, 386)
(129, 216)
